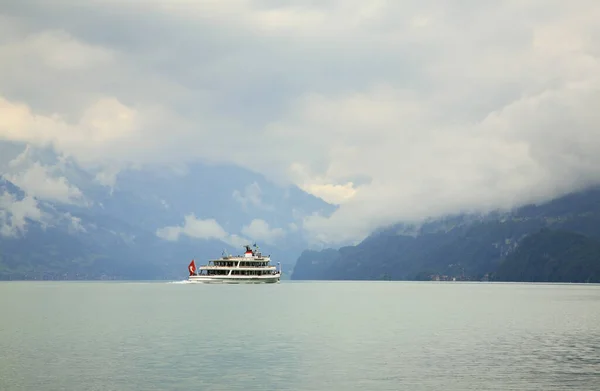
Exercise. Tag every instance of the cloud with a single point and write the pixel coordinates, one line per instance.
(200, 229)
(394, 110)
(15, 213)
(107, 125)
(318, 185)
(42, 181)
(74, 222)
(57, 50)
(107, 176)
(259, 230)
(510, 157)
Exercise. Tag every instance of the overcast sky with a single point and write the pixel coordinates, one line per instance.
(393, 109)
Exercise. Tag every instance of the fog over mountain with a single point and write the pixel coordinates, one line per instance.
(395, 111)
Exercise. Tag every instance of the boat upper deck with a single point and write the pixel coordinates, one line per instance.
(243, 258)
(240, 262)
(250, 255)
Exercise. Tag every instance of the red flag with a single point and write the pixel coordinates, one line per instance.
(192, 268)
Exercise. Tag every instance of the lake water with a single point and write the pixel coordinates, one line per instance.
(299, 336)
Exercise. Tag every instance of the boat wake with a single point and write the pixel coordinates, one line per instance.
(180, 282)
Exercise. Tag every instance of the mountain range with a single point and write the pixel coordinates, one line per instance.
(556, 241)
(59, 221)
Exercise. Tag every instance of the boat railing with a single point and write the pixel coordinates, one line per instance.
(241, 267)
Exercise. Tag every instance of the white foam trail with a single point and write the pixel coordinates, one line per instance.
(179, 282)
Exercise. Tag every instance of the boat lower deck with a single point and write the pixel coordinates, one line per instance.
(233, 279)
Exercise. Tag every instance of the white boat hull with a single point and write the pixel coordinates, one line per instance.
(264, 279)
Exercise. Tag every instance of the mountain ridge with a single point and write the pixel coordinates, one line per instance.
(553, 256)
(114, 231)
(460, 246)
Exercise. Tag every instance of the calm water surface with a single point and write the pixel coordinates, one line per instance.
(299, 336)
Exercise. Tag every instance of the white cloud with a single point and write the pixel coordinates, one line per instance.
(75, 224)
(42, 181)
(103, 126)
(512, 156)
(320, 186)
(332, 193)
(107, 176)
(15, 213)
(259, 230)
(37, 181)
(394, 110)
(200, 229)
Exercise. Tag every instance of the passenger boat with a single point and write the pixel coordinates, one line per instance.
(252, 267)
